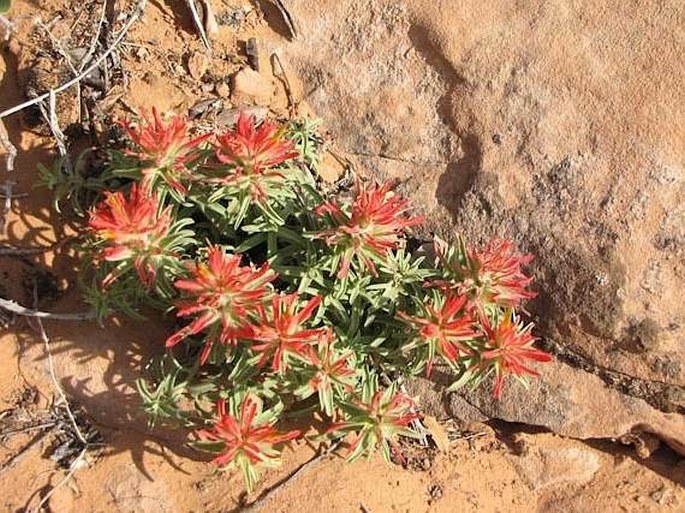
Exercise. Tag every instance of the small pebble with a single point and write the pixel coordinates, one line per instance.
(198, 63)
(207, 87)
(222, 89)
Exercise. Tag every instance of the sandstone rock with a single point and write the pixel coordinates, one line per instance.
(529, 122)
(578, 404)
(252, 88)
(330, 169)
(544, 466)
(563, 399)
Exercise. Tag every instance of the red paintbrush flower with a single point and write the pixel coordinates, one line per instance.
(223, 295)
(374, 228)
(281, 333)
(498, 274)
(508, 349)
(443, 327)
(131, 228)
(332, 369)
(164, 148)
(252, 152)
(248, 439)
(377, 423)
(491, 276)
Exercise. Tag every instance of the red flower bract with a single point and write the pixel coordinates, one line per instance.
(498, 275)
(223, 295)
(246, 440)
(131, 228)
(443, 328)
(508, 348)
(331, 367)
(281, 331)
(374, 228)
(377, 422)
(165, 146)
(252, 152)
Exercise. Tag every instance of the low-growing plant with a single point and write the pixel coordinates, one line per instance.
(292, 302)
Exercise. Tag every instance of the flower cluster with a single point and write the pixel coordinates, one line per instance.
(376, 422)
(287, 297)
(249, 156)
(491, 277)
(246, 438)
(131, 229)
(220, 295)
(508, 349)
(164, 150)
(366, 235)
(444, 326)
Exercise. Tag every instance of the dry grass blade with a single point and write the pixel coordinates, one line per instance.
(198, 23)
(287, 18)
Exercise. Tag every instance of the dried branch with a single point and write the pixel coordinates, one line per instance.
(77, 462)
(5, 196)
(58, 387)
(16, 308)
(210, 23)
(137, 12)
(6, 187)
(57, 45)
(6, 250)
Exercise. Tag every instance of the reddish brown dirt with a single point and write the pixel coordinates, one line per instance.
(137, 470)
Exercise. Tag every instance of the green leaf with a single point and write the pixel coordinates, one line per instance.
(5, 5)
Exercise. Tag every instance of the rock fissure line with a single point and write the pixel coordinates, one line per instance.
(663, 396)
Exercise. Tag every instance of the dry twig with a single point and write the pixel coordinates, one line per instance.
(10, 155)
(16, 308)
(9, 148)
(57, 45)
(16, 251)
(94, 41)
(77, 462)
